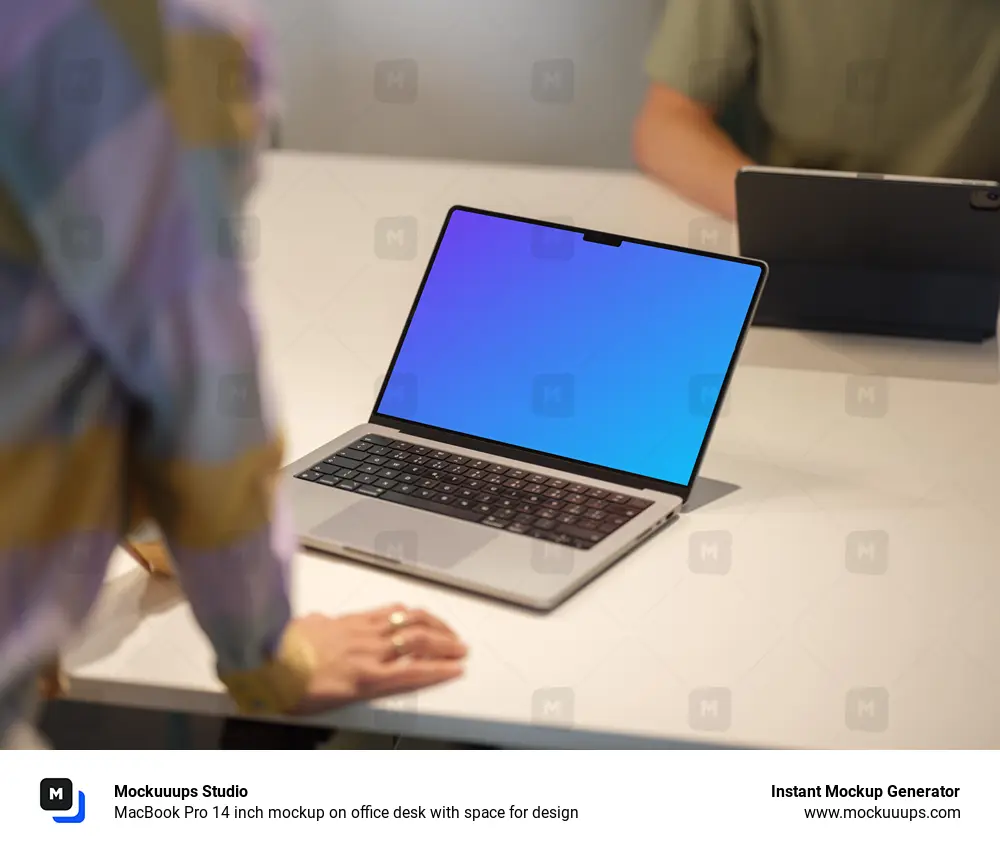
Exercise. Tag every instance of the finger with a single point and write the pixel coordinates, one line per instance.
(385, 620)
(418, 673)
(379, 618)
(422, 642)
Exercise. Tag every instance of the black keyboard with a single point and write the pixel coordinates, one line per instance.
(502, 497)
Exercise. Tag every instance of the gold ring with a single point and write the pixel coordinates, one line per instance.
(398, 619)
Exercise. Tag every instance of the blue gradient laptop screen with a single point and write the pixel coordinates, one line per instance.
(531, 336)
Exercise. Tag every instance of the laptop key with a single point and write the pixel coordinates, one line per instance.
(546, 513)
(378, 461)
(566, 519)
(366, 479)
(387, 473)
(377, 439)
(641, 504)
(440, 455)
(497, 469)
(408, 478)
(385, 483)
(425, 494)
(493, 479)
(477, 464)
(504, 513)
(456, 469)
(596, 503)
(495, 522)
(534, 488)
(618, 498)
(347, 474)
(581, 533)
(507, 502)
(525, 519)
(544, 524)
(519, 528)
(514, 484)
(329, 480)
(516, 473)
(458, 460)
(433, 507)
(399, 444)
(579, 489)
(575, 499)
(419, 450)
(404, 488)
(325, 469)
(553, 503)
(353, 454)
(360, 446)
(444, 498)
(446, 488)
(589, 524)
(348, 485)
(537, 479)
(483, 509)
(368, 490)
(465, 504)
(308, 475)
(399, 455)
(397, 465)
(597, 493)
(554, 493)
(595, 514)
(576, 510)
(607, 527)
(428, 483)
(476, 474)
(557, 483)
(379, 450)
(437, 464)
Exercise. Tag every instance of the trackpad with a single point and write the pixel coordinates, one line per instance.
(404, 534)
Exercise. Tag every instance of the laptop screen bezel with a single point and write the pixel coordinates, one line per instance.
(551, 461)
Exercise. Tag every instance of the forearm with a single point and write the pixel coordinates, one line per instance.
(686, 150)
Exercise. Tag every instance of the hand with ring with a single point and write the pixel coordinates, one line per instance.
(376, 654)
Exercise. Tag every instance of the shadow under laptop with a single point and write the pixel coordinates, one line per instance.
(891, 357)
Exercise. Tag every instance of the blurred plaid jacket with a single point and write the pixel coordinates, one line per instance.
(129, 130)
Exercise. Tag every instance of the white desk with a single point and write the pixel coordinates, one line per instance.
(861, 549)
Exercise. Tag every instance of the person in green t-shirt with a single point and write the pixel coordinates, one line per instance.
(886, 86)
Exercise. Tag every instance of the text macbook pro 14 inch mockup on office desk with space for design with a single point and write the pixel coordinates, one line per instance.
(546, 410)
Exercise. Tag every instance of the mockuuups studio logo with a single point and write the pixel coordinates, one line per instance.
(56, 795)
(553, 81)
(397, 546)
(552, 396)
(396, 238)
(867, 709)
(710, 234)
(867, 552)
(710, 709)
(396, 81)
(867, 397)
(710, 552)
(552, 706)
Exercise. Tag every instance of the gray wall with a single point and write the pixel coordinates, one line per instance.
(541, 81)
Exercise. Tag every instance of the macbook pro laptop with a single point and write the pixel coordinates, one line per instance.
(876, 254)
(546, 410)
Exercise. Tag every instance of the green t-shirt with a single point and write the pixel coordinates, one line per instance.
(890, 86)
